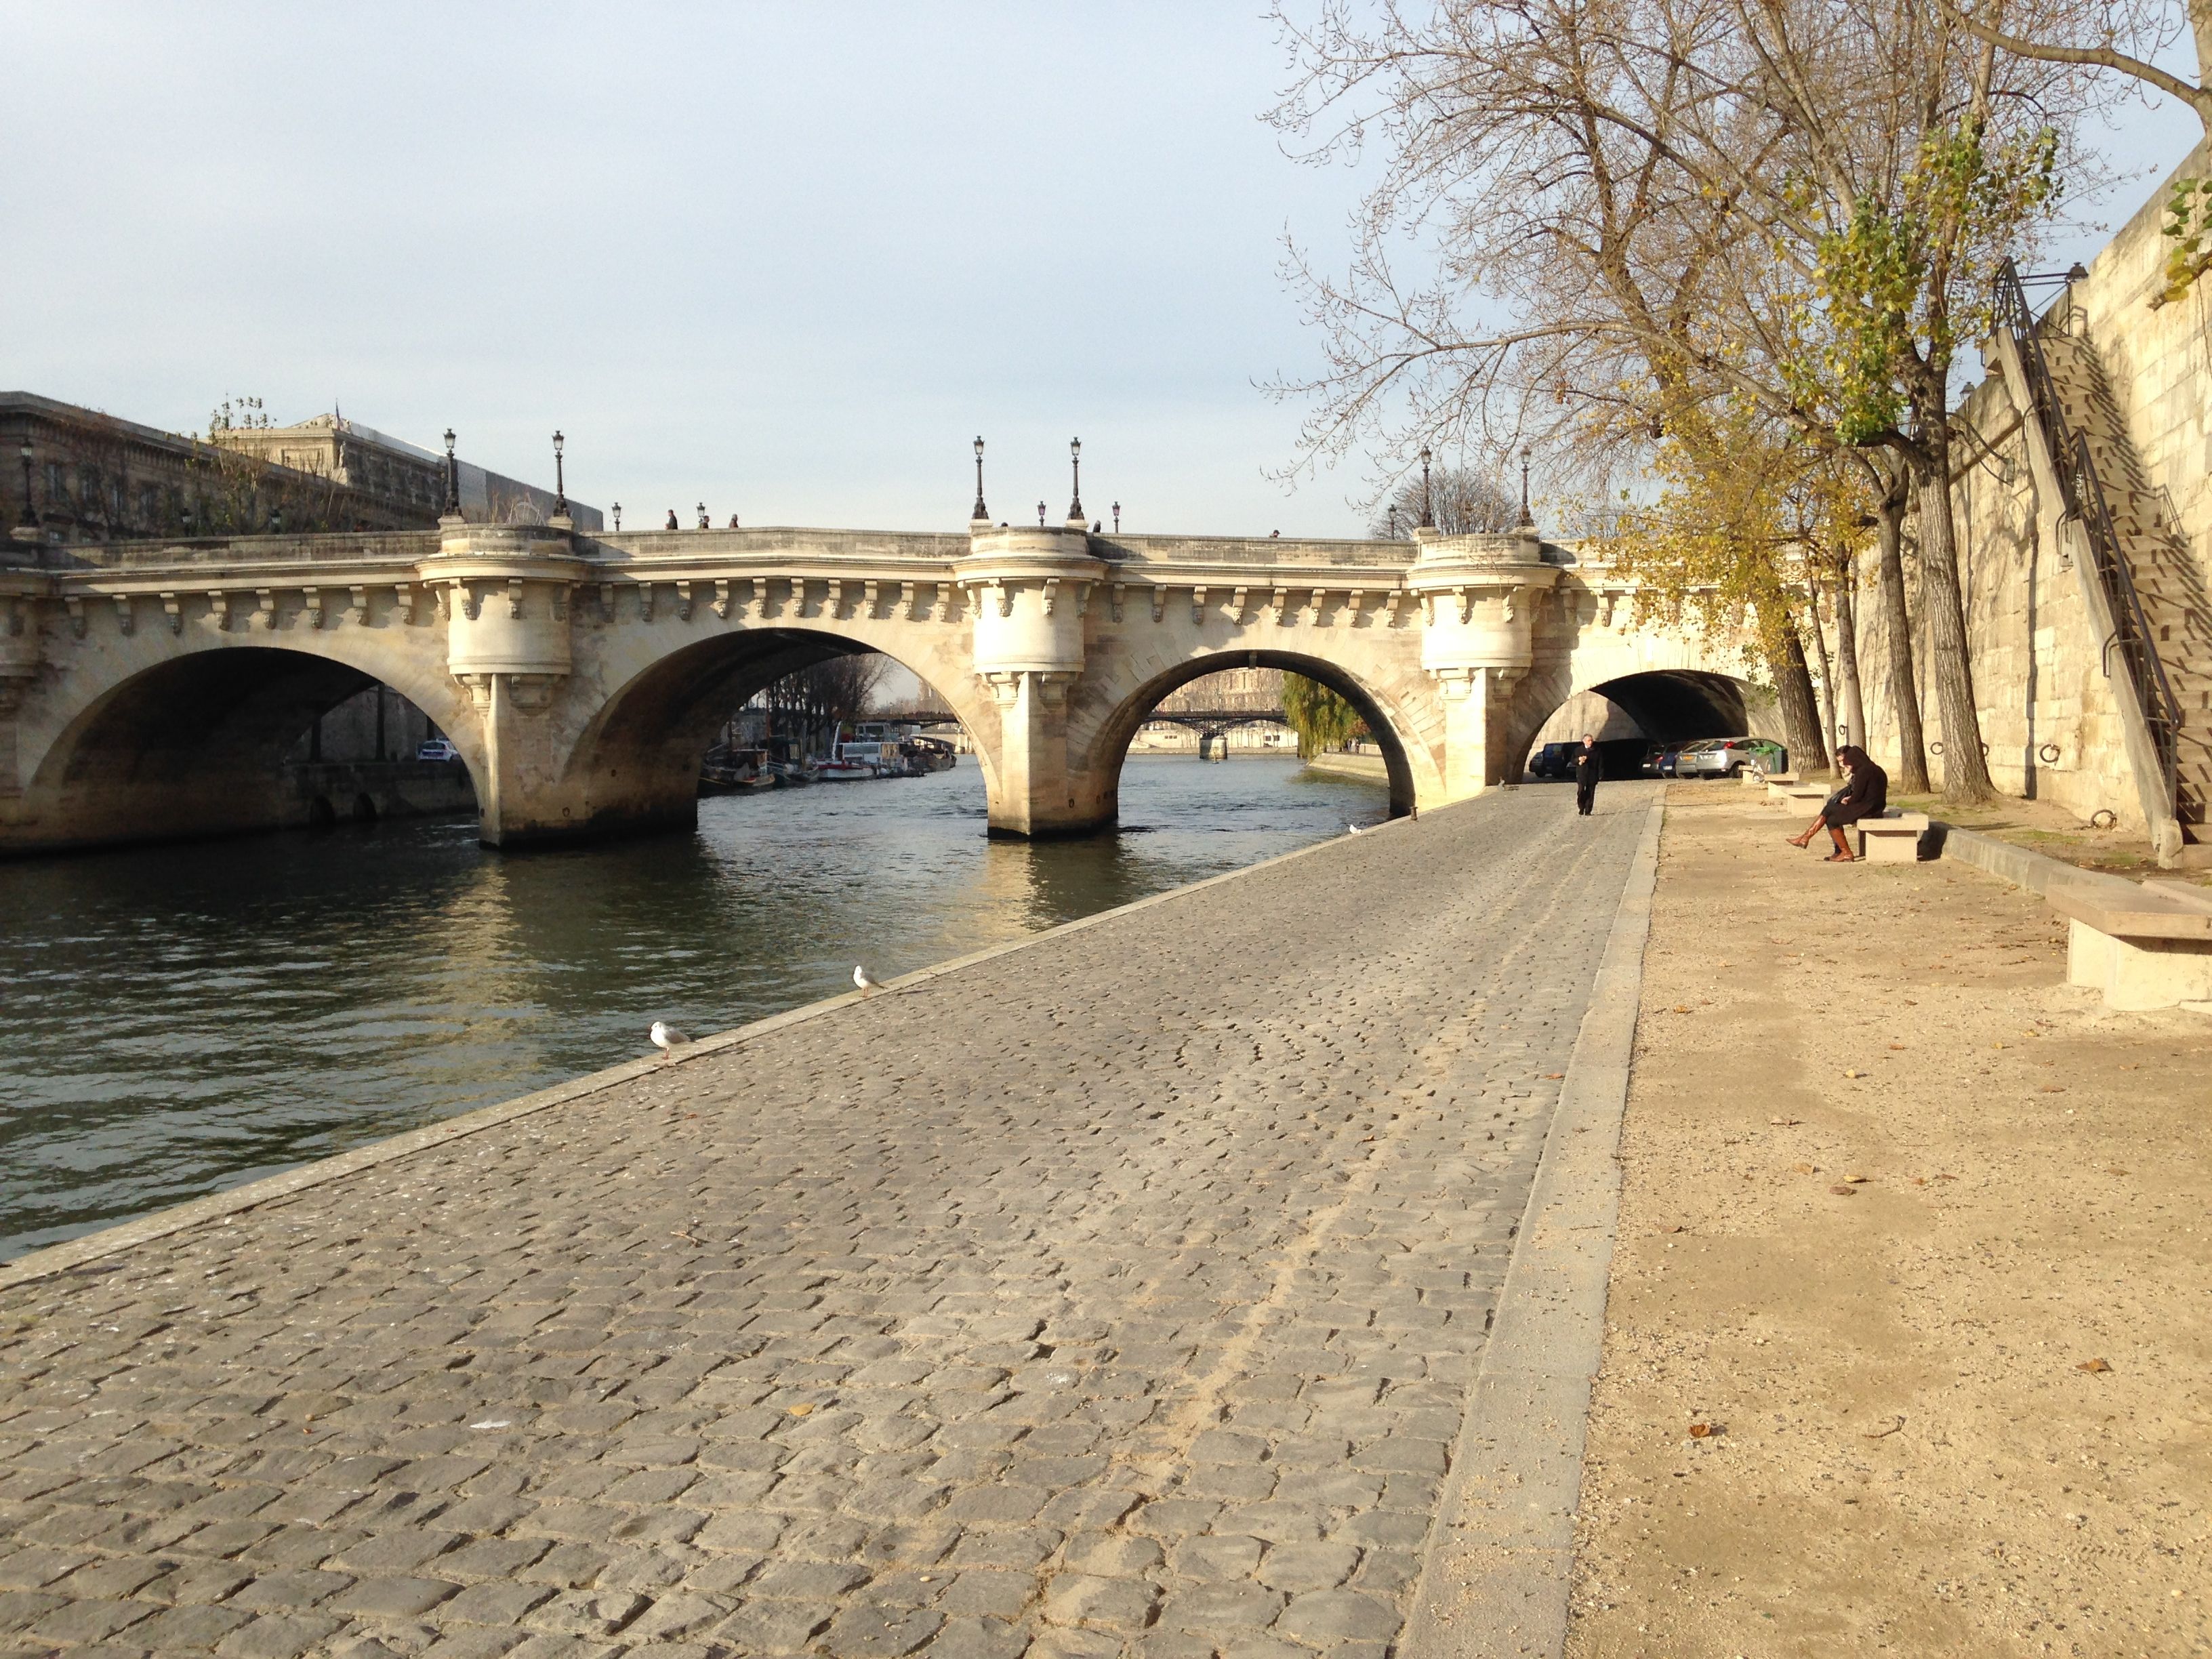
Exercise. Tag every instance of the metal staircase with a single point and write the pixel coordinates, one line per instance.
(2153, 598)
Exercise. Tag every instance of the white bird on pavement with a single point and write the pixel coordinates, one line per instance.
(666, 1037)
(865, 980)
(1352, 828)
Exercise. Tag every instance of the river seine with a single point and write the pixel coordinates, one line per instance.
(177, 1020)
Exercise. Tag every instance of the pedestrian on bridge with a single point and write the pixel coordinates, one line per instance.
(1589, 769)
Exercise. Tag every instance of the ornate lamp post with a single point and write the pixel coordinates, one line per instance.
(1428, 500)
(560, 478)
(979, 514)
(1526, 517)
(1075, 499)
(1117, 518)
(617, 510)
(703, 515)
(452, 479)
(1394, 521)
(1040, 515)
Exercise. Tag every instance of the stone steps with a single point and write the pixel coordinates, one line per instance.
(2167, 583)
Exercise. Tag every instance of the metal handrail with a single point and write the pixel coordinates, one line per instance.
(2084, 495)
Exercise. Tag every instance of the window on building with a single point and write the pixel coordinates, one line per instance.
(57, 486)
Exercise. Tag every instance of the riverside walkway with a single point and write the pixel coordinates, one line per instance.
(1117, 1293)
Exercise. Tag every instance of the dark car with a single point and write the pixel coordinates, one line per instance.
(1553, 760)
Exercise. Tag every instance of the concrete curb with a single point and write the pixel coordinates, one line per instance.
(2007, 862)
(72, 1253)
(1500, 1554)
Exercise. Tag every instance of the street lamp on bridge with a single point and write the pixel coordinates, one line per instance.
(1117, 518)
(1526, 517)
(617, 511)
(1428, 500)
(452, 479)
(560, 478)
(1075, 498)
(979, 514)
(1040, 515)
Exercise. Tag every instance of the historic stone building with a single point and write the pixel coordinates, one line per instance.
(75, 475)
(392, 470)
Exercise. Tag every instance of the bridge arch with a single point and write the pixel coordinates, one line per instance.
(194, 742)
(1670, 705)
(634, 763)
(1407, 759)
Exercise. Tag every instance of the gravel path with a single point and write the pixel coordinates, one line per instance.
(1119, 1294)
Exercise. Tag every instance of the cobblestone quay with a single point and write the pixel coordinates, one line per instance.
(1118, 1293)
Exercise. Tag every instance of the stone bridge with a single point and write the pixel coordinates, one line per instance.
(147, 690)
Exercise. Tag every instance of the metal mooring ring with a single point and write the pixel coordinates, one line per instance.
(2048, 753)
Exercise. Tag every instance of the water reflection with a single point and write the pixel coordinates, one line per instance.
(179, 1019)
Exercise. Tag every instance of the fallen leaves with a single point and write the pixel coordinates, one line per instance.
(2053, 1088)
(1706, 1431)
(1854, 1073)
(1554, 1077)
(2094, 1366)
(1895, 1424)
(1843, 1189)
(1785, 1123)
(800, 1410)
(1805, 1169)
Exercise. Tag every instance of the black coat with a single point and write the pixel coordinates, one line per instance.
(1589, 769)
(1866, 796)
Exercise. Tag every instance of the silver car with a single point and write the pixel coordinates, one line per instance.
(1724, 757)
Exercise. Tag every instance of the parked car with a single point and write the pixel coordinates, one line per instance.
(437, 750)
(1553, 760)
(1724, 757)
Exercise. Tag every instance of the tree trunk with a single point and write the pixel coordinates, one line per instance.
(1847, 660)
(1965, 768)
(1793, 688)
(1827, 683)
(1904, 690)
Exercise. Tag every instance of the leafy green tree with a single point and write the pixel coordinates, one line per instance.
(1323, 720)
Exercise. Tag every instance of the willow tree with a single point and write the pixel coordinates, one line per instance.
(1321, 719)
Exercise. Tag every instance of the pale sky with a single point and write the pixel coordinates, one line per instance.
(788, 260)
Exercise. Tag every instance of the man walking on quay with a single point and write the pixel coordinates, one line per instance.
(1587, 773)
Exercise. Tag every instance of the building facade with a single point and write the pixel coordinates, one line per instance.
(73, 474)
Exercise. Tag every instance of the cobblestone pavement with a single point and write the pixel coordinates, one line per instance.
(1115, 1295)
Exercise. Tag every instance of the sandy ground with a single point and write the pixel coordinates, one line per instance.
(1918, 1235)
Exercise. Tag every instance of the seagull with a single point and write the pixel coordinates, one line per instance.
(1351, 828)
(666, 1037)
(865, 980)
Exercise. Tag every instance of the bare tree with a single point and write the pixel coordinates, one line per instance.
(1628, 212)
(1465, 502)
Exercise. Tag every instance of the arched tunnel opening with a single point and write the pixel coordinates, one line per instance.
(1661, 709)
(244, 740)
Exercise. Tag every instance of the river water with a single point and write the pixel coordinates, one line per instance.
(177, 1020)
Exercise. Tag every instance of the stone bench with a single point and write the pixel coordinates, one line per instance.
(2145, 944)
(1778, 784)
(1803, 797)
(1893, 838)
